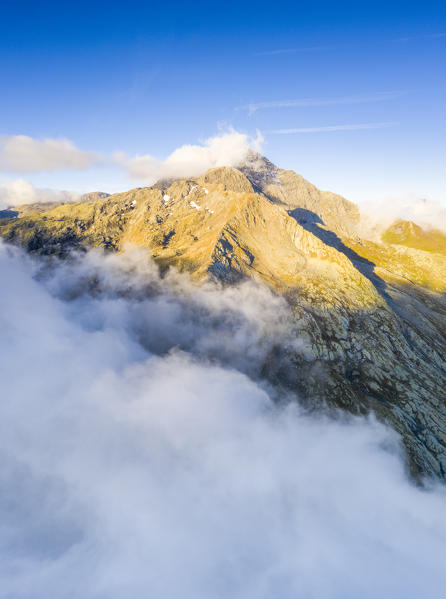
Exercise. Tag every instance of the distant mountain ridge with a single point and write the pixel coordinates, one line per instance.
(409, 234)
(371, 315)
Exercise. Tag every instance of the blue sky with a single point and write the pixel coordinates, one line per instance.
(367, 79)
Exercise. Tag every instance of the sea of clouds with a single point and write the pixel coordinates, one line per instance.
(143, 455)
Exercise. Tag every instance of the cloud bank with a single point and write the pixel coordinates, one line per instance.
(227, 149)
(142, 455)
(379, 214)
(18, 192)
(24, 154)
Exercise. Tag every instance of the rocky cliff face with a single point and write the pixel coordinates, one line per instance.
(371, 316)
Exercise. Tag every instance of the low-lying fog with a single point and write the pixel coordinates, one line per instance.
(142, 455)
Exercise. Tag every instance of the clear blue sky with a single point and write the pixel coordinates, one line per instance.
(141, 78)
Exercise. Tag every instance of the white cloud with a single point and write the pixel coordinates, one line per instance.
(131, 469)
(21, 154)
(227, 149)
(18, 192)
(308, 102)
(25, 154)
(330, 128)
(379, 214)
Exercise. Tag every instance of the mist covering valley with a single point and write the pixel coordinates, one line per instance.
(145, 452)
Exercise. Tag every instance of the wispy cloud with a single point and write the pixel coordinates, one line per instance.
(308, 102)
(292, 50)
(354, 127)
(304, 49)
(420, 37)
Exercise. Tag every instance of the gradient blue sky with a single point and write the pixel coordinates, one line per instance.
(141, 78)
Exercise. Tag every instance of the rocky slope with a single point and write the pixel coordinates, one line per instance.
(371, 316)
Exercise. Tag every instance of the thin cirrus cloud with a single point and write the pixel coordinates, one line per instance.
(279, 51)
(291, 50)
(24, 154)
(313, 102)
(329, 128)
(420, 37)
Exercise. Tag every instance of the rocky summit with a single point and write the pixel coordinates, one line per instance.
(370, 313)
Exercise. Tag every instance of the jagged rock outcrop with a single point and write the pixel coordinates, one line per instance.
(92, 196)
(370, 317)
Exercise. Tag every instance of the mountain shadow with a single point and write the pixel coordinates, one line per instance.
(8, 213)
(313, 223)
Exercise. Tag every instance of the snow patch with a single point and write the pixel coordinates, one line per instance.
(166, 198)
(194, 205)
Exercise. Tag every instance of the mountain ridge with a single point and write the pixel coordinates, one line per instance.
(371, 315)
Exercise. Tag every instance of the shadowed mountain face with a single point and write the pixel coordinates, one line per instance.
(370, 317)
(8, 213)
(313, 223)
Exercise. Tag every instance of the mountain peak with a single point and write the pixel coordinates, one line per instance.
(365, 312)
(259, 170)
(229, 178)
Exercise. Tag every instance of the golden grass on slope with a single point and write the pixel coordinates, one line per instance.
(409, 234)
